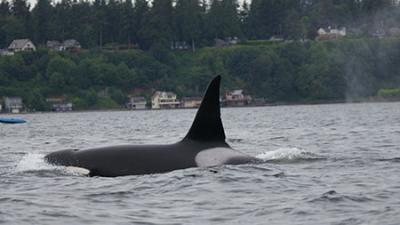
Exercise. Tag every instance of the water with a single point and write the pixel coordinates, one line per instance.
(324, 164)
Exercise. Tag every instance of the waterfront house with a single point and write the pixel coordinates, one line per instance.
(179, 45)
(21, 45)
(227, 41)
(13, 104)
(330, 34)
(5, 52)
(135, 103)
(62, 107)
(191, 102)
(67, 45)
(164, 100)
(259, 102)
(54, 45)
(59, 104)
(236, 98)
(71, 45)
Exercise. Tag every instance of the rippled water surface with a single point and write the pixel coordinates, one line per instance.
(324, 164)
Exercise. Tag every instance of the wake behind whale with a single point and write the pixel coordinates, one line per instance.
(203, 146)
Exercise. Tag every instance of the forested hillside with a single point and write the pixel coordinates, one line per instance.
(280, 72)
(293, 70)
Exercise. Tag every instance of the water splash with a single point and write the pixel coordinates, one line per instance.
(33, 162)
(36, 163)
(289, 155)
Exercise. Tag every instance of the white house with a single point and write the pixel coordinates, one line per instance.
(136, 103)
(54, 45)
(5, 52)
(13, 104)
(191, 102)
(328, 34)
(71, 45)
(67, 45)
(59, 104)
(21, 45)
(237, 98)
(164, 100)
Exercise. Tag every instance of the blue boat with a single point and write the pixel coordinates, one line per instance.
(11, 120)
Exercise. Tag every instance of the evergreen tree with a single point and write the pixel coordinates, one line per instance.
(244, 17)
(223, 20)
(264, 19)
(214, 20)
(4, 14)
(159, 30)
(98, 21)
(41, 16)
(188, 21)
(113, 22)
(140, 18)
(4, 8)
(61, 20)
(231, 18)
(127, 22)
(20, 11)
(79, 26)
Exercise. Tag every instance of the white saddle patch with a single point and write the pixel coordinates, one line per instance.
(215, 156)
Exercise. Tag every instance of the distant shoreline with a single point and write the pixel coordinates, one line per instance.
(371, 100)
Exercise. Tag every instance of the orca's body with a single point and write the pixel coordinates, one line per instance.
(203, 146)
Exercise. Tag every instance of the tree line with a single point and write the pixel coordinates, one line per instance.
(158, 24)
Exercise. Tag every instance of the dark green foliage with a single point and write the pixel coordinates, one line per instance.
(294, 70)
(41, 14)
(196, 23)
(280, 72)
(389, 93)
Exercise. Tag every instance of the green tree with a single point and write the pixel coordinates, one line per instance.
(20, 10)
(4, 13)
(188, 21)
(35, 101)
(61, 24)
(113, 21)
(141, 14)
(223, 19)
(41, 14)
(99, 21)
(158, 29)
(128, 23)
(13, 28)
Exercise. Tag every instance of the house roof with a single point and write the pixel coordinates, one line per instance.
(164, 93)
(53, 44)
(137, 99)
(18, 43)
(192, 98)
(71, 43)
(235, 92)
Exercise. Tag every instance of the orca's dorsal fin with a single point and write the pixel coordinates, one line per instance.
(207, 125)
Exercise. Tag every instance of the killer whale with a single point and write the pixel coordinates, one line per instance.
(203, 146)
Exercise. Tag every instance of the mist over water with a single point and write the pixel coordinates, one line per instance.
(324, 164)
